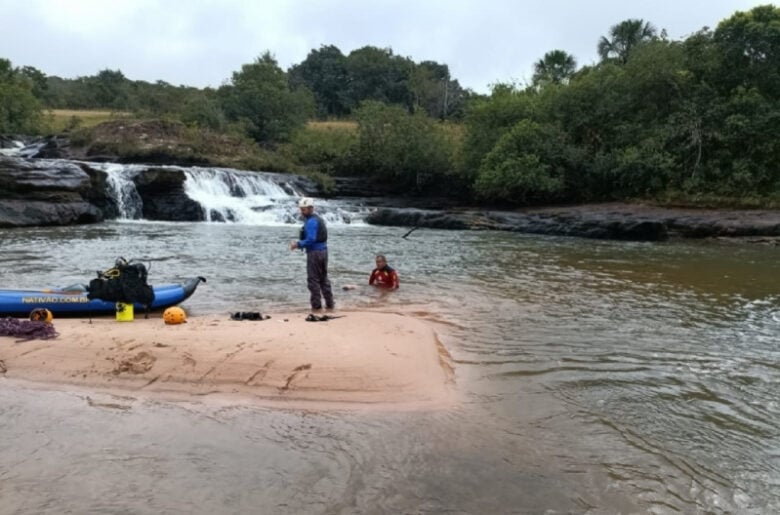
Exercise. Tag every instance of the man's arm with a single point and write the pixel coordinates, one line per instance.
(394, 279)
(372, 279)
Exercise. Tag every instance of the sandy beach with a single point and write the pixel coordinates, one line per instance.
(362, 359)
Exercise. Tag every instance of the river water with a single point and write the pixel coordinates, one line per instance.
(592, 377)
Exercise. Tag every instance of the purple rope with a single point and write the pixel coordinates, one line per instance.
(27, 329)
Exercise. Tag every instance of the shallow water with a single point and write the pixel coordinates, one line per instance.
(593, 377)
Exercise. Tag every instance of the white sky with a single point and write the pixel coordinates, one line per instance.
(202, 42)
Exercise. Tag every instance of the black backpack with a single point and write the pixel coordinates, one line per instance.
(126, 282)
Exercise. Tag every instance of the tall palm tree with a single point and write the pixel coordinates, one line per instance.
(625, 36)
(556, 67)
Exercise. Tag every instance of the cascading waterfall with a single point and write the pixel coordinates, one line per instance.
(13, 149)
(229, 196)
(119, 179)
(241, 197)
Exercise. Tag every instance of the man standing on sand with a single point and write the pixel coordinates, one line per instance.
(383, 276)
(313, 238)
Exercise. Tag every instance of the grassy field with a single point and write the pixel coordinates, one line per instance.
(329, 125)
(59, 120)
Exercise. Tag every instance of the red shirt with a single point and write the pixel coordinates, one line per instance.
(384, 278)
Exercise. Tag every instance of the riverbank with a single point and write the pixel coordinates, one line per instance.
(360, 360)
(39, 192)
(612, 221)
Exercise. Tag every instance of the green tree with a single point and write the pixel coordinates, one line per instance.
(426, 84)
(57, 92)
(745, 150)
(110, 89)
(749, 45)
(529, 164)
(434, 91)
(20, 110)
(623, 38)
(161, 98)
(730, 122)
(324, 72)
(37, 80)
(202, 109)
(6, 70)
(556, 67)
(259, 97)
(488, 119)
(377, 74)
(408, 151)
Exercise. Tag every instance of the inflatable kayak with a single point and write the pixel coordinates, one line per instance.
(72, 301)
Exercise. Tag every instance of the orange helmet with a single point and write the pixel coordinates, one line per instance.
(174, 315)
(41, 315)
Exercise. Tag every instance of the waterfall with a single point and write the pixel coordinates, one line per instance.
(242, 197)
(119, 179)
(229, 196)
(11, 148)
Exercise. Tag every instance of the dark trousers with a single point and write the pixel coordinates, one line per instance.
(317, 278)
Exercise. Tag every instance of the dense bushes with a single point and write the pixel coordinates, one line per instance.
(699, 118)
(528, 164)
(405, 152)
(324, 148)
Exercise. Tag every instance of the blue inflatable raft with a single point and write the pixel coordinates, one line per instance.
(73, 302)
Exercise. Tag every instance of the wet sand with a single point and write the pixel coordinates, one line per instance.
(361, 359)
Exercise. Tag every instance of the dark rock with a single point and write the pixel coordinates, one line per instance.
(31, 179)
(54, 147)
(160, 157)
(162, 193)
(24, 213)
(604, 221)
(360, 187)
(420, 218)
(97, 194)
(44, 192)
(296, 184)
(102, 158)
(216, 216)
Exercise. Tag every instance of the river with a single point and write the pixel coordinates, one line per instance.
(591, 377)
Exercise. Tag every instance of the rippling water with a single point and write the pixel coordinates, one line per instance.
(594, 377)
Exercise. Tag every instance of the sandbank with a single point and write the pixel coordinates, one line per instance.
(361, 359)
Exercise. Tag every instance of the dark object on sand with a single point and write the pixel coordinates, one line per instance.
(248, 315)
(323, 318)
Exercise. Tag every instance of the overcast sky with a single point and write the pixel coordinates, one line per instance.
(202, 42)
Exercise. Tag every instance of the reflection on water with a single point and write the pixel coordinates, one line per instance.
(596, 377)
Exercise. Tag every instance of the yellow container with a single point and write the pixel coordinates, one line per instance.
(124, 312)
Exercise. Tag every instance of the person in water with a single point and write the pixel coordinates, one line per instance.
(383, 276)
(314, 238)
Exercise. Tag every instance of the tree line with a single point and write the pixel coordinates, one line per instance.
(654, 118)
(337, 84)
(698, 117)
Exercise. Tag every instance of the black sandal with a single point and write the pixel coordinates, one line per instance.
(323, 318)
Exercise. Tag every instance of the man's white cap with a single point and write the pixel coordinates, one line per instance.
(306, 202)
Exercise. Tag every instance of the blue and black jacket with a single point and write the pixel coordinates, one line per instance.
(314, 234)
